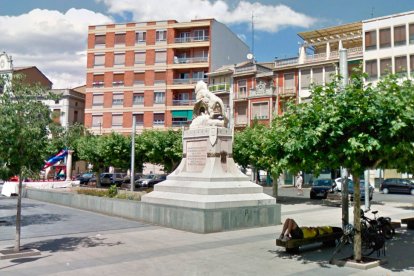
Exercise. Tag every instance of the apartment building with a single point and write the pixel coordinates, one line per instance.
(389, 45)
(148, 70)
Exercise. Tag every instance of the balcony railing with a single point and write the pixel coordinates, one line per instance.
(219, 87)
(98, 84)
(182, 60)
(180, 123)
(241, 95)
(286, 91)
(191, 39)
(138, 82)
(241, 120)
(183, 102)
(188, 80)
(286, 61)
(263, 91)
(245, 69)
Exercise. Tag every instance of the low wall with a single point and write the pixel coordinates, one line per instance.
(187, 219)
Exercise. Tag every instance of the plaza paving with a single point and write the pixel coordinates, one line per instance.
(76, 242)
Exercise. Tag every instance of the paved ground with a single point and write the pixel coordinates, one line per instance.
(75, 242)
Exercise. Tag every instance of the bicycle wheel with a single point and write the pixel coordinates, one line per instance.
(388, 231)
(367, 248)
(367, 241)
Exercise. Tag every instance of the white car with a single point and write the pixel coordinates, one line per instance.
(338, 184)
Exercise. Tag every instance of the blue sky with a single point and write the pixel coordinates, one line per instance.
(51, 34)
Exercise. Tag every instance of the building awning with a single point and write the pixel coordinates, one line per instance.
(182, 114)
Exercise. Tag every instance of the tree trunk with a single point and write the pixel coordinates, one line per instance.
(275, 185)
(357, 219)
(18, 214)
(98, 178)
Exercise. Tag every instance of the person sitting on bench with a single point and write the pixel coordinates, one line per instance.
(291, 230)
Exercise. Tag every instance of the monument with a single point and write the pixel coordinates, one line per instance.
(207, 192)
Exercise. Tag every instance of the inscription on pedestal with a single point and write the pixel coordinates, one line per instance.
(196, 156)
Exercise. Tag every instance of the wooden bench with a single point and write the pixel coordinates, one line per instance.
(409, 222)
(292, 246)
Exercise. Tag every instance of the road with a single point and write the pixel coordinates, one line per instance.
(378, 197)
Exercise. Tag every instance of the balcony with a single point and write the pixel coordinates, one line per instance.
(262, 90)
(191, 39)
(188, 80)
(240, 95)
(219, 87)
(183, 102)
(180, 123)
(186, 60)
(286, 62)
(117, 83)
(241, 120)
(287, 91)
(98, 84)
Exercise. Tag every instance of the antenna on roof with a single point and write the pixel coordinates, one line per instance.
(252, 34)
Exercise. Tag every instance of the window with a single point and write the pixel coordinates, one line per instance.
(139, 119)
(140, 58)
(118, 80)
(159, 78)
(200, 35)
(183, 37)
(139, 78)
(138, 99)
(371, 69)
(317, 76)
(161, 56)
(99, 60)
(385, 66)
(158, 118)
(141, 37)
(385, 38)
(98, 81)
(260, 111)
(199, 75)
(100, 40)
(75, 116)
(97, 100)
(119, 59)
(289, 81)
(330, 73)
(371, 40)
(97, 120)
(161, 35)
(399, 35)
(412, 64)
(117, 120)
(411, 33)
(119, 39)
(242, 88)
(118, 99)
(159, 97)
(305, 79)
(400, 65)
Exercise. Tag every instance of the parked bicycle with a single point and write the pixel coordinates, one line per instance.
(383, 224)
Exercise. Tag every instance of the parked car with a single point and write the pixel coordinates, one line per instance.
(150, 180)
(361, 189)
(397, 185)
(338, 183)
(321, 187)
(85, 177)
(127, 177)
(108, 179)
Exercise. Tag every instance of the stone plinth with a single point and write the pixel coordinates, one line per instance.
(208, 184)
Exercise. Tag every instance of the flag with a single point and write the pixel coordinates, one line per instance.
(53, 160)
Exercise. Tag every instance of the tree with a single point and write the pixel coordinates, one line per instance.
(24, 122)
(104, 151)
(359, 128)
(161, 147)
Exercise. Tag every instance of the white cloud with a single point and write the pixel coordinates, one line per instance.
(52, 41)
(268, 18)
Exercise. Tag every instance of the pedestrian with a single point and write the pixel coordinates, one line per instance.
(299, 183)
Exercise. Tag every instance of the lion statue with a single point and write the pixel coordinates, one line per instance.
(208, 109)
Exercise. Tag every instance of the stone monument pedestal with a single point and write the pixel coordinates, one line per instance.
(207, 192)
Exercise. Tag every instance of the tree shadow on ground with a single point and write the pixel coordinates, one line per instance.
(406, 207)
(69, 244)
(19, 261)
(13, 206)
(399, 253)
(34, 219)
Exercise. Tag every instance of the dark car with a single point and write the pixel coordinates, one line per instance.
(361, 189)
(321, 187)
(397, 185)
(127, 177)
(84, 178)
(150, 180)
(108, 179)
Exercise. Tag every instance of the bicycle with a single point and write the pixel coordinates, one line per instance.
(383, 223)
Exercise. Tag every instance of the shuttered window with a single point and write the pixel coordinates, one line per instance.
(139, 119)
(118, 99)
(119, 38)
(160, 56)
(399, 35)
(159, 119)
(385, 66)
(99, 39)
(305, 78)
(371, 69)
(260, 110)
(117, 120)
(97, 100)
(119, 59)
(411, 33)
(329, 74)
(412, 64)
(99, 60)
(400, 64)
(289, 82)
(97, 120)
(139, 78)
(160, 77)
(371, 40)
(140, 58)
(385, 38)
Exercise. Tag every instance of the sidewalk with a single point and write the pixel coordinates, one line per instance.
(75, 242)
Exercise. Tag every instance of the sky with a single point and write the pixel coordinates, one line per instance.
(52, 34)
